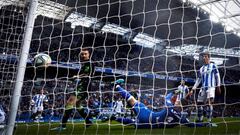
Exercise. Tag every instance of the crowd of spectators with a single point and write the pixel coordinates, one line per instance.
(107, 53)
(57, 90)
(134, 58)
(102, 96)
(125, 57)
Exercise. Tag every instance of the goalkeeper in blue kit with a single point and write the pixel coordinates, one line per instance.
(146, 118)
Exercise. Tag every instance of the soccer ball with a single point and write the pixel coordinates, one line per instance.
(42, 60)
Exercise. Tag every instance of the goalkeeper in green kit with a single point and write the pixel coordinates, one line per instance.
(79, 100)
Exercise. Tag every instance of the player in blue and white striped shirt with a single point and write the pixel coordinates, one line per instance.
(184, 100)
(183, 91)
(209, 77)
(37, 102)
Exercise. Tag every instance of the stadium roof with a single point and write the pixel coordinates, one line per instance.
(45, 7)
(178, 21)
(226, 12)
(206, 22)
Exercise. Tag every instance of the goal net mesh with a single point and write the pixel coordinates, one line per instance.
(152, 45)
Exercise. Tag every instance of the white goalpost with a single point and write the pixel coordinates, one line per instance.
(157, 47)
(22, 65)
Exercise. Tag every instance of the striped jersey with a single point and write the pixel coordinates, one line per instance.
(184, 91)
(209, 76)
(39, 99)
(118, 106)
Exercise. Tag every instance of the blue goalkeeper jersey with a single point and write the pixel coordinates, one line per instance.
(147, 118)
(165, 117)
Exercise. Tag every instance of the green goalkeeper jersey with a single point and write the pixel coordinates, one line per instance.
(84, 85)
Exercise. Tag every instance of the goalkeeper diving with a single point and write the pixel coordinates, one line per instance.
(146, 118)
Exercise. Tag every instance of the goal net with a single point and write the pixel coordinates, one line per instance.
(157, 47)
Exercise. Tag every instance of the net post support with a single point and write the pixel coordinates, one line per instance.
(30, 19)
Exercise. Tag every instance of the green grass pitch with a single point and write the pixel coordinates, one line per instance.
(228, 126)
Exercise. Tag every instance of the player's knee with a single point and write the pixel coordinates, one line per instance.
(209, 107)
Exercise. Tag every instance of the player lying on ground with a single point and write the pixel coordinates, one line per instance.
(146, 118)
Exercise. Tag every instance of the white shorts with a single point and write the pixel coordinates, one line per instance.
(37, 109)
(203, 95)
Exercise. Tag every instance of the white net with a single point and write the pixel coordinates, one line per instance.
(152, 45)
(12, 28)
